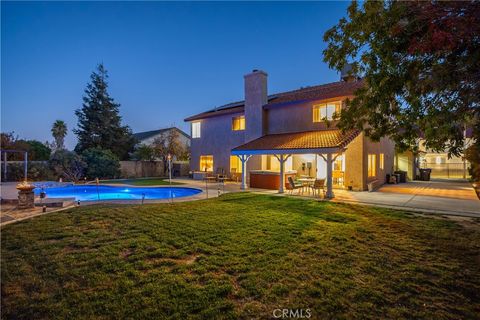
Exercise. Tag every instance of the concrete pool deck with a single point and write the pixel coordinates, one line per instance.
(9, 213)
(446, 198)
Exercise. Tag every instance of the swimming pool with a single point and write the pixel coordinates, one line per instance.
(95, 193)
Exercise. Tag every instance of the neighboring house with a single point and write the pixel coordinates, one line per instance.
(148, 137)
(269, 137)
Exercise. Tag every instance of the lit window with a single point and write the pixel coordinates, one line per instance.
(206, 163)
(238, 123)
(195, 129)
(382, 161)
(372, 166)
(326, 111)
(235, 164)
(337, 164)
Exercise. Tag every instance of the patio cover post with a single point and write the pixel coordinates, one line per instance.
(282, 159)
(329, 194)
(244, 158)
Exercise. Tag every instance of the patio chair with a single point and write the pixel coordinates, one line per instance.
(292, 185)
(318, 185)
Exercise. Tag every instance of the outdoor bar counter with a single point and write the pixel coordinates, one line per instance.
(265, 179)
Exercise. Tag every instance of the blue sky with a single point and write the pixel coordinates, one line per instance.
(166, 60)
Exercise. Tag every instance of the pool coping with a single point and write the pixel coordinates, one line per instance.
(198, 196)
(202, 195)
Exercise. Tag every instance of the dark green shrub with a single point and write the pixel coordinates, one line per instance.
(102, 164)
(37, 171)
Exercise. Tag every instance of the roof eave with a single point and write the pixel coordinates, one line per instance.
(288, 151)
(201, 116)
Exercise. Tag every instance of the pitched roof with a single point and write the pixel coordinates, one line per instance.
(332, 138)
(140, 136)
(215, 113)
(320, 92)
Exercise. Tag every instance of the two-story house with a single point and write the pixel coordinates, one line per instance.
(267, 138)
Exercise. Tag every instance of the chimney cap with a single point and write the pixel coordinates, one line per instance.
(256, 72)
(347, 74)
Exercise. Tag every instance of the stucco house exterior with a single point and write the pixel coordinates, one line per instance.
(267, 137)
(148, 137)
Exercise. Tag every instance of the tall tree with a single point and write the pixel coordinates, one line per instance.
(59, 131)
(420, 63)
(99, 121)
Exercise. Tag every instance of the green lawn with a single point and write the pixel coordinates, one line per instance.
(239, 256)
(142, 181)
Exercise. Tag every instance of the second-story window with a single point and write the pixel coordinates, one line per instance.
(195, 129)
(326, 111)
(238, 123)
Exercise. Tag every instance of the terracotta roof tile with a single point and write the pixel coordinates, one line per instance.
(333, 138)
(324, 91)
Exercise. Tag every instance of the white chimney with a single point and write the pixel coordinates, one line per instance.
(256, 97)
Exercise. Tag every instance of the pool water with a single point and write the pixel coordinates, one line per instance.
(95, 193)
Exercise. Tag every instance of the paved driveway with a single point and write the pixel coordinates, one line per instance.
(445, 197)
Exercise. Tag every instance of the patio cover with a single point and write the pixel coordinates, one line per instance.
(283, 145)
(320, 141)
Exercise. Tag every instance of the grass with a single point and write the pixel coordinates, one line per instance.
(239, 256)
(143, 181)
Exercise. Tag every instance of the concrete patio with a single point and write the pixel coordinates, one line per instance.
(438, 197)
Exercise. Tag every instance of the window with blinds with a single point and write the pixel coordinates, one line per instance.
(196, 129)
(326, 111)
(238, 123)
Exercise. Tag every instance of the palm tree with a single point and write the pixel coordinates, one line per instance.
(59, 131)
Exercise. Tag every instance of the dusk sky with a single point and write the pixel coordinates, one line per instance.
(166, 60)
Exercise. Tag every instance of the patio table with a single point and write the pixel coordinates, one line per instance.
(306, 182)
